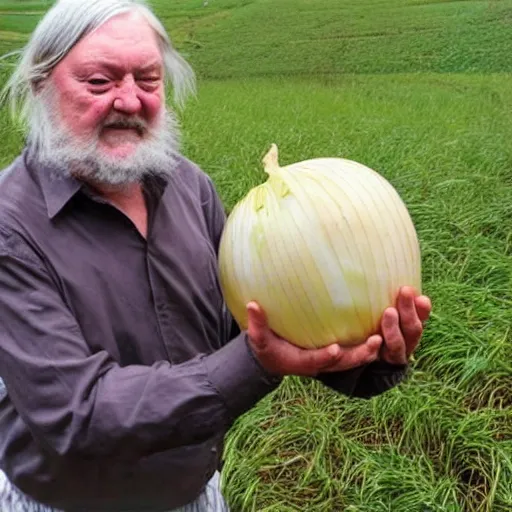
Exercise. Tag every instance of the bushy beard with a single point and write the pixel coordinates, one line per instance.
(56, 147)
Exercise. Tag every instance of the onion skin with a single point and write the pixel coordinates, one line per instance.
(323, 246)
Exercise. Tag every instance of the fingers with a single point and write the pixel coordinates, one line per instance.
(357, 355)
(257, 328)
(402, 327)
(410, 323)
(422, 303)
(311, 362)
(336, 358)
(423, 307)
(280, 357)
(373, 345)
(394, 351)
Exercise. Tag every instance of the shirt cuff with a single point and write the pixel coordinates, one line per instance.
(238, 377)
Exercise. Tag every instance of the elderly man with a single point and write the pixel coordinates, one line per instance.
(122, 368)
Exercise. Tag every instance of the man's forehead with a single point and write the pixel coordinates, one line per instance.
(125, 38)
(112, 63)
(134, 22)
(130, 30)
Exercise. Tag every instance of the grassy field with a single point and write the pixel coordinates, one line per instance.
(420, 91)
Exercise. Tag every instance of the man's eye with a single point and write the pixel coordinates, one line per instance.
(98, 81)
(149, 83)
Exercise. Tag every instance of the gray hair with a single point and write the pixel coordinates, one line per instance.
(62, 27)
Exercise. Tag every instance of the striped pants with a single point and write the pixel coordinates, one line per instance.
(13, 500)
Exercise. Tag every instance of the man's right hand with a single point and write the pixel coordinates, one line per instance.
(280, 357)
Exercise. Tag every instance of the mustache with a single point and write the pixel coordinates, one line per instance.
(119, 121)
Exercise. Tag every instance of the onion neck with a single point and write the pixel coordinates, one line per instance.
(271, 161)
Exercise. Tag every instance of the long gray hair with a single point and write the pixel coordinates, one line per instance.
(62, 27)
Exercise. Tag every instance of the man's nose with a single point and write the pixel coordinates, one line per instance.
(127, 99)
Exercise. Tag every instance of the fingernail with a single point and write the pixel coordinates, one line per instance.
(334, 350)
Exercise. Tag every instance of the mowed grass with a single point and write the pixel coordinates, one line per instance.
(421, 92)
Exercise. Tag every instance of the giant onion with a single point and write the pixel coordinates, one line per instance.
(323, 246)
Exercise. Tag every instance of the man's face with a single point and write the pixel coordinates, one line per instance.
(109, 88)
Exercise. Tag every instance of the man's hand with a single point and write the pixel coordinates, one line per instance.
(280, 357)
(401, 330)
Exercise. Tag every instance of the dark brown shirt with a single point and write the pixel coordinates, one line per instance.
(122, 366)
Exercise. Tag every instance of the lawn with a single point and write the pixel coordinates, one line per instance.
(421, 92)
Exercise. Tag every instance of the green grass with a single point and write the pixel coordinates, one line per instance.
(305, 37)
(419, 91)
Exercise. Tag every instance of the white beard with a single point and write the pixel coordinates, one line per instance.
(65, 153)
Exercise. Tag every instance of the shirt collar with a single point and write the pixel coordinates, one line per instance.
(57, 188)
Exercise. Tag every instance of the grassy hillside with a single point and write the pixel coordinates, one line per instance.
(242, 38)
(245, 38)
(420, 91)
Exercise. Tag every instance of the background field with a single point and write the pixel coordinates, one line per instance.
(422, 92)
